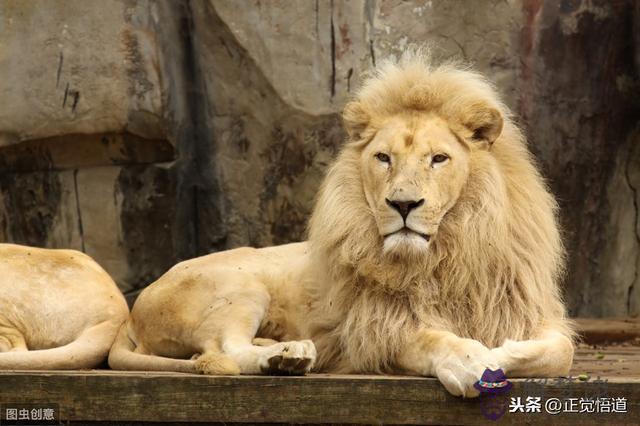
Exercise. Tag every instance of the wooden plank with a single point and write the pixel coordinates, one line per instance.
(87, 396)
(132, 397)
(608, 362)
(598, 331)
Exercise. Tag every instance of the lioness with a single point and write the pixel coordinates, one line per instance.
(433, 250)
(59, 309)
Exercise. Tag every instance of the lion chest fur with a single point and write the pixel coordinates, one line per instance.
(360, 327)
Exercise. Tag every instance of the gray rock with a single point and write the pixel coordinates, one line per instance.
(78, 67)
(145, 132)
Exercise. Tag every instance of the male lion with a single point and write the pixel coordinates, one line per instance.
(58, 309)
(434, 250)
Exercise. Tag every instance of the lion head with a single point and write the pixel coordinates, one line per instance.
(413, 171)
(436, 199)
(415, 132)
(417, 136)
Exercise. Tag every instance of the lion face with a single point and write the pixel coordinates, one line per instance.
(413, 172)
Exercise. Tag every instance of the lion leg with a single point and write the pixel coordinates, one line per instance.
(549, 355)
(457, 362)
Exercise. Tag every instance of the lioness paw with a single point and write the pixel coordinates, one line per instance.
(289, 358)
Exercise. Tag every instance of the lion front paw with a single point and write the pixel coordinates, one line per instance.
(293, 358)
(461, 368)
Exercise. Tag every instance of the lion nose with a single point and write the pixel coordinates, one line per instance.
(404, 207)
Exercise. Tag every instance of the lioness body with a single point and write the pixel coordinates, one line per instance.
(214, 290)
(433, 250)
(58, 309)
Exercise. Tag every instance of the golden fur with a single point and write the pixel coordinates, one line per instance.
(58, 309)
(492, 272)
(464, 278)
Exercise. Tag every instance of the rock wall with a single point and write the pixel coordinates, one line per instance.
(579, 102)
(145, 132)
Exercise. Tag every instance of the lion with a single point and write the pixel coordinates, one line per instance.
(433, 250)
(59, 310)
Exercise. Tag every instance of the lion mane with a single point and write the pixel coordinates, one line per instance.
(492, 270)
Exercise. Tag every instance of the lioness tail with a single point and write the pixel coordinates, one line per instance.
(123, 357)
(87, 351)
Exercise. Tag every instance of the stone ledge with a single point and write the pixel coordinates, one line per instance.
(82, 151)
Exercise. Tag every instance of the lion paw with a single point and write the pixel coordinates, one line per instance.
(289, 358)
(463, 366)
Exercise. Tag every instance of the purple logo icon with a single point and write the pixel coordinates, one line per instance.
(493, 387)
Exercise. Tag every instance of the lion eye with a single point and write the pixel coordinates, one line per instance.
(439, 158)
(381, 156)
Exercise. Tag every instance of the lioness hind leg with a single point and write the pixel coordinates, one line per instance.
(212, 361)
(240, 353)
(279, 358)
(265, 356)
(216, 363)
(226, 337)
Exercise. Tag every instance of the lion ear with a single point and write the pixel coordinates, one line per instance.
(486, 125)
(355, 119)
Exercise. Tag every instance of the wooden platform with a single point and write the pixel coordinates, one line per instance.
(600, 372)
